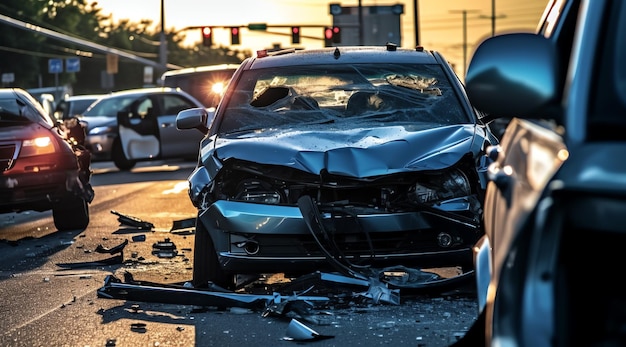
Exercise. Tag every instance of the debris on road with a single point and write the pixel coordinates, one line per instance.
(132, 221)
(296, 331)
(113, 250)
(164, 249)
(174, 294)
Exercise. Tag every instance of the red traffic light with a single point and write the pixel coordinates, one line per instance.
(295, 34)
(207, 36)
(336, 34)
(328, 33)
(328, 37)
(234, 35)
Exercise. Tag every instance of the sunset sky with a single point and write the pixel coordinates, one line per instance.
(440, 22)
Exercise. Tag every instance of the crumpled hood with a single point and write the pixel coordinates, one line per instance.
(360, 152)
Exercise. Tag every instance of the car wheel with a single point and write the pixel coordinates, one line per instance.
(206, 268)
(118, 157)
(71, 213)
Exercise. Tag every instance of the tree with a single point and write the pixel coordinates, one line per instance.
(26, 53)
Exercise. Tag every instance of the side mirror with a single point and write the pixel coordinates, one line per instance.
(194, 118)
(514, 75)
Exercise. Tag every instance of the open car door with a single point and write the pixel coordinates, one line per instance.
(138, 130)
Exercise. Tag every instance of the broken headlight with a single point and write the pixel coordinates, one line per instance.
(449, 185)
(254, 190)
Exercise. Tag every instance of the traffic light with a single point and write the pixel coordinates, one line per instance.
(234, 35)
(207, 36)
(336, 34)
(295, 34)
(328, 37)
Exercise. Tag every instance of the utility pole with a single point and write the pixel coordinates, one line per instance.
(416, 20)
(464, 12)
(493, 17)
(163, 41)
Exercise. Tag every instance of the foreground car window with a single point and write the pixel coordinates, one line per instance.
(353, 95)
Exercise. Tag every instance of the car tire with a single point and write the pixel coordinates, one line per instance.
(119, 158)
(71, 213)
(206, 267)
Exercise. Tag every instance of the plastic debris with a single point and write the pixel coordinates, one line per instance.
(132, 221)
(113, 250)
(296, 331)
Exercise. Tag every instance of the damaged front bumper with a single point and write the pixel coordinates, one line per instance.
(257, 238)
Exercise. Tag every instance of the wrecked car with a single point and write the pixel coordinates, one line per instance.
(44, 165)
(344, 159)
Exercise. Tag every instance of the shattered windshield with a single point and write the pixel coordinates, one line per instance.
(356, 94)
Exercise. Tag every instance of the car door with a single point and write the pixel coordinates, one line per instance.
(176, 143)
(148, 130)
(530, 155)
(139, 130)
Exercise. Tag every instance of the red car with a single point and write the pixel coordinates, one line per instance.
(43, 164)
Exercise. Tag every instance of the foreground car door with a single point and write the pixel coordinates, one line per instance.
(529, 156)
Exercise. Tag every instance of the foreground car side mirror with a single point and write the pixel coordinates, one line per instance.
(515, 75)
(194, 118)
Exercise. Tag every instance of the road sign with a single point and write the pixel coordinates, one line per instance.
(72, 65)
(8, 77)
(55, 65)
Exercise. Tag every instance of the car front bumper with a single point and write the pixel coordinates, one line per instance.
(258, 238)
(36, 191)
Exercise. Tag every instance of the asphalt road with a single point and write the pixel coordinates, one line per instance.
(49, 282)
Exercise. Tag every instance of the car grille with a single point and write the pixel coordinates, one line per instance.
(7, 155)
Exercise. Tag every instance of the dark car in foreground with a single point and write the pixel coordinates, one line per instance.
(344, 159)
(549, 267)
(147, 117)
(43, 166)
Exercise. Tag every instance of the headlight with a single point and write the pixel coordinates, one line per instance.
(101, 130)
(37, 146)
(253, 190)
(449, 185)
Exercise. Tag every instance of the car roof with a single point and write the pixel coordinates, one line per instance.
(388, 54)
(191, 70)
(149, 90)
(84, 97)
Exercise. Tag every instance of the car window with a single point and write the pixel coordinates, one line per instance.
(172, 104)
(79, 106)
(110, 106)
(10, 111)
(407, 94)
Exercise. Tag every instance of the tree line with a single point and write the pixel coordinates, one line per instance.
(25, 54)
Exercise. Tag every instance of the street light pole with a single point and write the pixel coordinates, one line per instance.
(163, 41)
